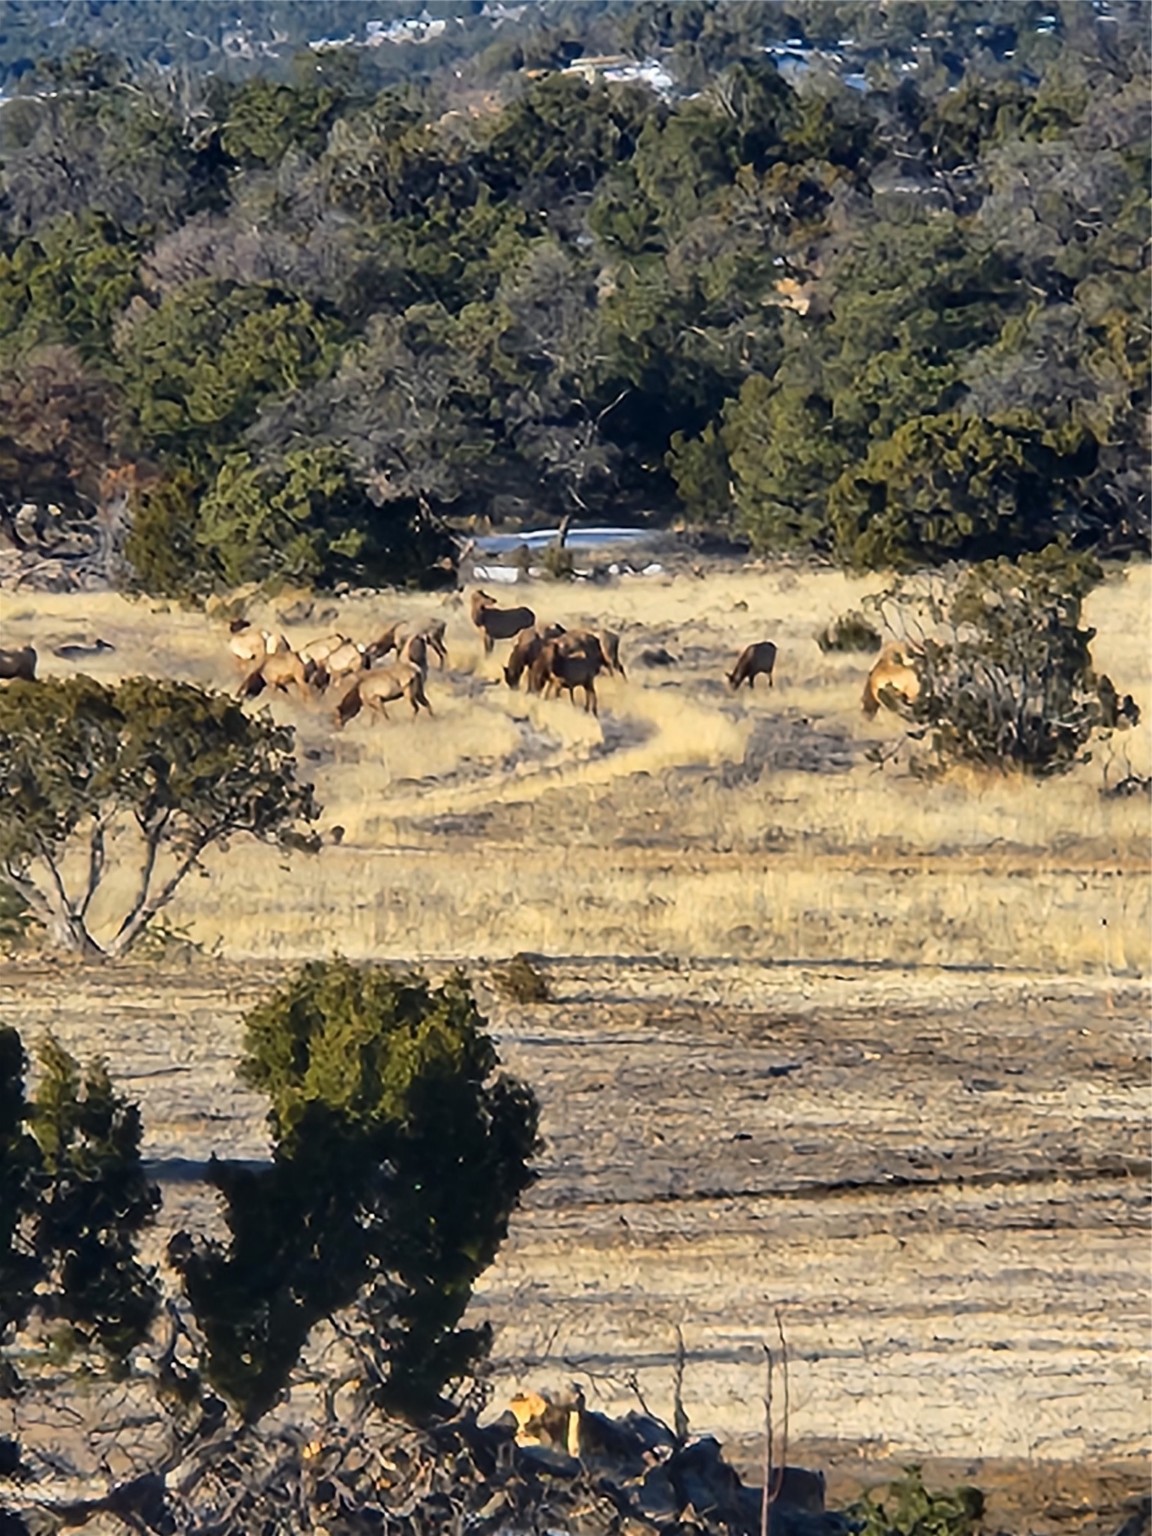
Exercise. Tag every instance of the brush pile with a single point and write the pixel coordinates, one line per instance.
(630, 1477)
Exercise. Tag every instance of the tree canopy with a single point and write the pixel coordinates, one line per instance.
(146, 775)
(879, 292)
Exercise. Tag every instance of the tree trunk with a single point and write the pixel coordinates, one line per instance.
(69, 932)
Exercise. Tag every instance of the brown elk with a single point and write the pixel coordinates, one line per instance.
(498, 623)
(570, 662)
(525, 650)
(753, 661)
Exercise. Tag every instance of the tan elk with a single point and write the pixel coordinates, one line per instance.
(345, 661)
(397, 635)
(282, 670)
(382, 686)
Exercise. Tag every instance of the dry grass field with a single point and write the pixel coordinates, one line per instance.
(826, 1036)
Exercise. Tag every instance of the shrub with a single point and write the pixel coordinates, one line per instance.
(909, 1509)
(399, 1156)
(558, 562)
(850, 632)
(1012, 686)
(74, 1199)
(521, 982)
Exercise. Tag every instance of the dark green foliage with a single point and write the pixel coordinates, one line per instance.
(521, 982)
(1014, 687)
(949, 487)
(309, 520)
(74, 1200)
(850, 632)
(338, 298)
(195, 369)
(15, 915)
(68, 284)
(398, 1159)
(93, 1201)
(80, 764)
(907, 1508)
(161, 543)
(19, 1158)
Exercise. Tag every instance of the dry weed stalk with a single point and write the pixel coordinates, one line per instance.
(773, 1475)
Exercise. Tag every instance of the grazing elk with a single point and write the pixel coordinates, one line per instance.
(498, 623)
(526, 648)
(753, 661)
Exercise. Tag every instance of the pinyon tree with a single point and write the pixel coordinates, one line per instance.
(149, 772)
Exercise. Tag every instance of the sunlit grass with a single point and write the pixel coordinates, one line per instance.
(854, 863)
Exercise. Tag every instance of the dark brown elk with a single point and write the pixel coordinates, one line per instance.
(498, 623)
(18, 666)
(753, 661)
(893, 672)
(569, 663)
(415, 651)
(526, 648)
(381, 686)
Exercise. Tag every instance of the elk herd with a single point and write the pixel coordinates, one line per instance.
(550, 658)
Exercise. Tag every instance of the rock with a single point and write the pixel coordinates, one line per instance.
(657, 656)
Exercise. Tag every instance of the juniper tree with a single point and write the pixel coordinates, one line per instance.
(399, 1155)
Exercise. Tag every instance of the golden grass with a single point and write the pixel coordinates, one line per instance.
(638, 833)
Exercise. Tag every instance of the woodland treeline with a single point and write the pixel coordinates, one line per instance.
(298, 324)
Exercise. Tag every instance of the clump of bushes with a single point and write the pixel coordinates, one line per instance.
(850, 632)
(909, 1509)
(1007, 680)
(558, 562)
(520, 982)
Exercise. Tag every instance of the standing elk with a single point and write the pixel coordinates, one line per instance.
(281, 670)
(397, 635)
(570, 662)
(498, 623)
(381, 686)
(753, 661)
